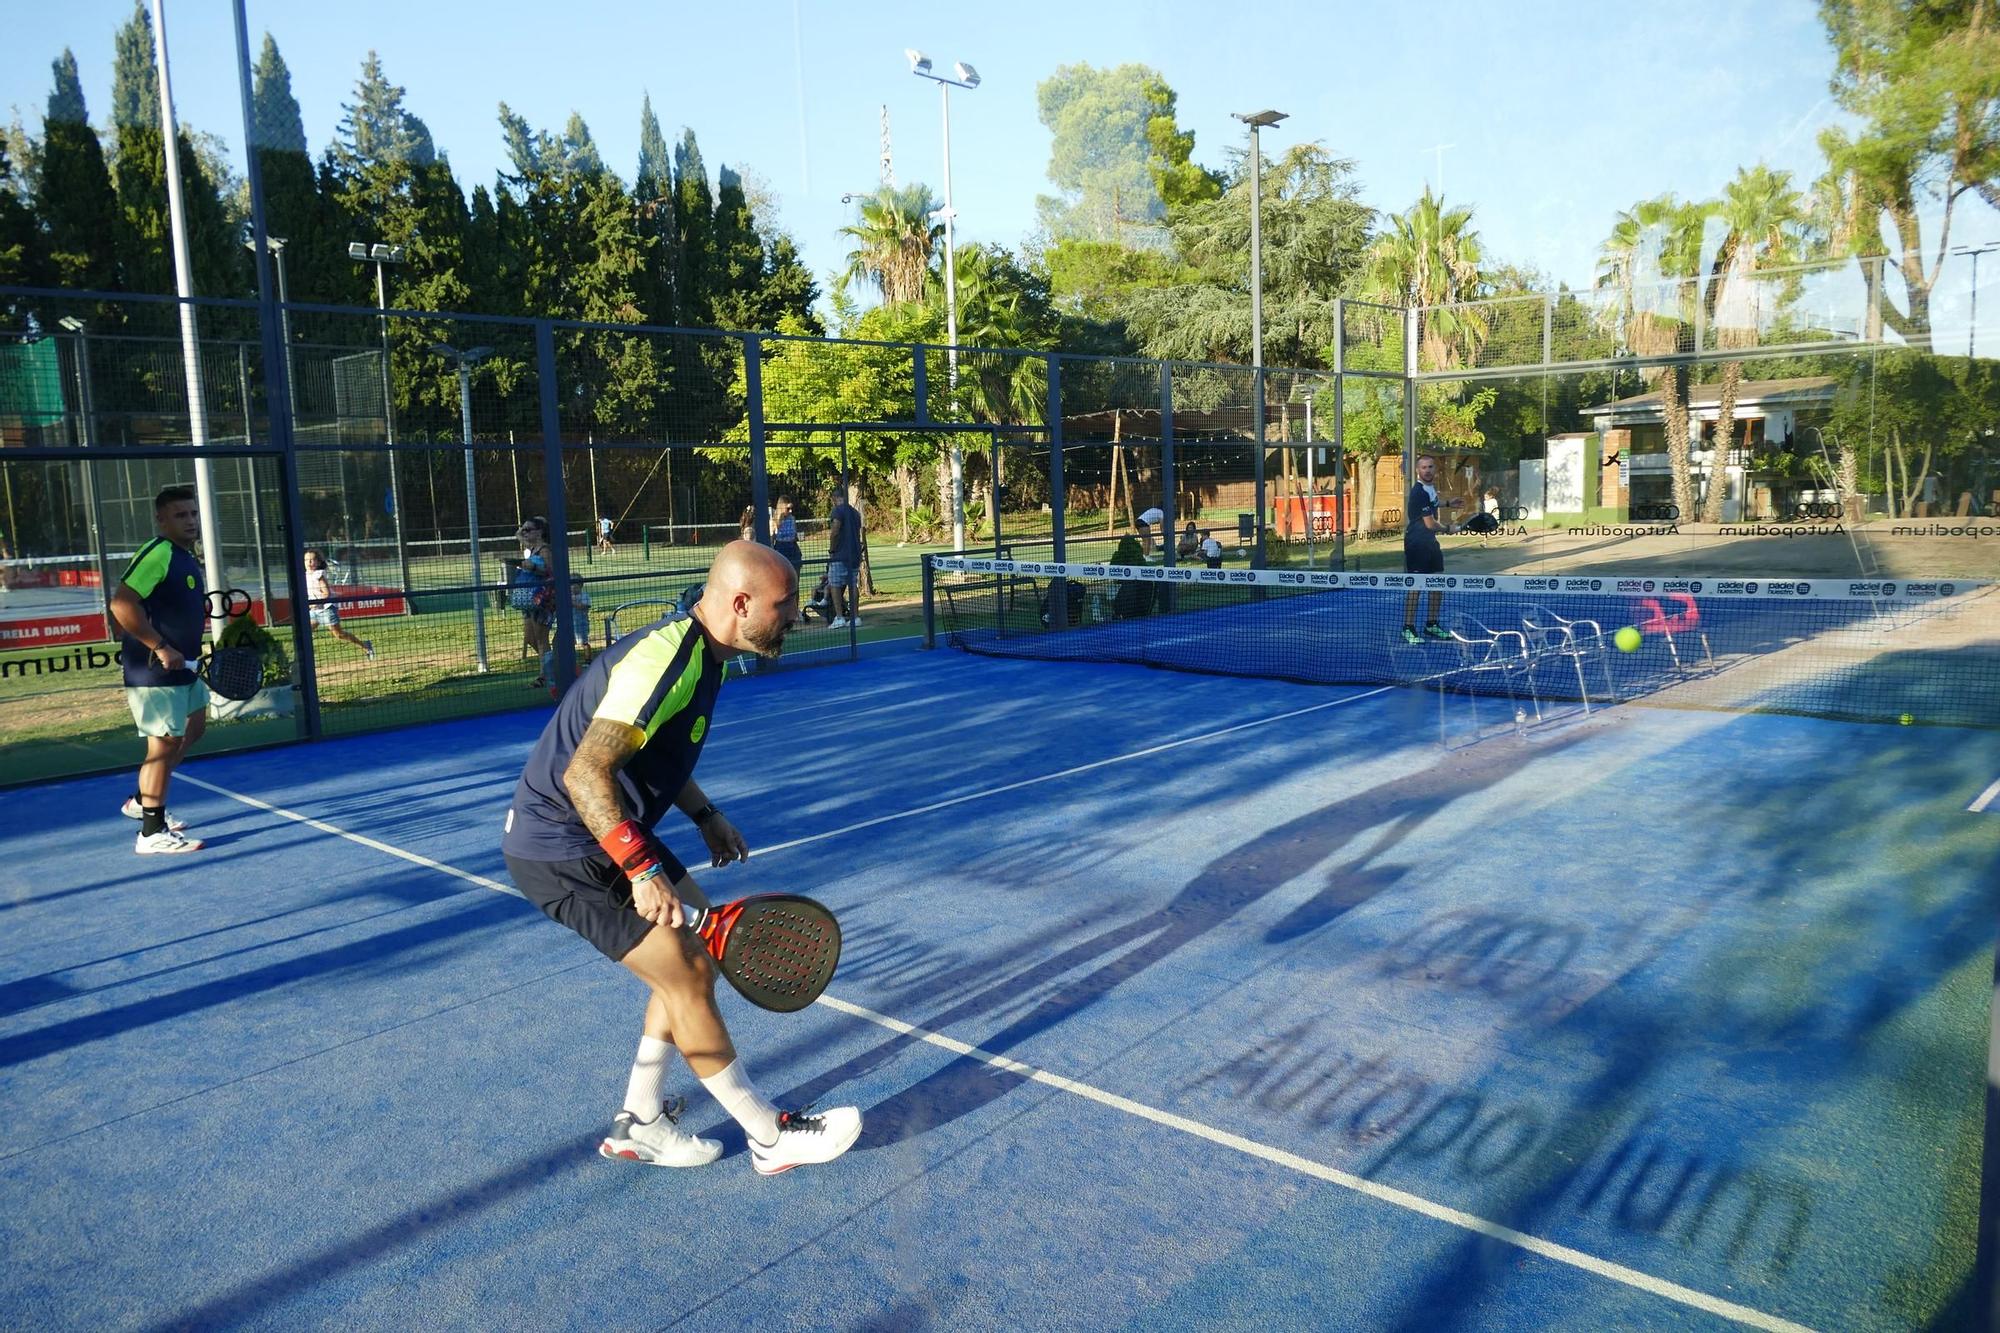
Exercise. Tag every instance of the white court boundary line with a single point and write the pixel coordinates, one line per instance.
(1985, 798)
(1415, 1203)
(1404, 1199)
(373, 844)
(1067, 772)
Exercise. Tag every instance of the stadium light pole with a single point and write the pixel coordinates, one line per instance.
(968, 79)
(1972, 325)
(465, 361)
(1258, 120)
(204, 485)
(380, 256)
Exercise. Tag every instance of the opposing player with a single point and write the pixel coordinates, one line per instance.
(620, 750)
(1421, 552)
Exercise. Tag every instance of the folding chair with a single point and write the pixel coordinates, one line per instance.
(1550, 634)
(1487, 652)
(1684, 620)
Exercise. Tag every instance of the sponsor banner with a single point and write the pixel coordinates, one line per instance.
(1571, 585)
(51, 631)
(362, 599)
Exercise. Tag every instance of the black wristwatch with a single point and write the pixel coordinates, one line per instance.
(703, 815)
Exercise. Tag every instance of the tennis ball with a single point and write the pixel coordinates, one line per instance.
(1906, 719)
(1627, 639)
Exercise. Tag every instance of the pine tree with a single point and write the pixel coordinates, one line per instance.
(135, 79)
(79, 214)
(653, 195)
(739, 252)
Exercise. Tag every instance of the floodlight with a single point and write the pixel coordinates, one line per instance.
(919, 62)
(356, 250)
(72, 323)
(1261, 119)
(967, 75)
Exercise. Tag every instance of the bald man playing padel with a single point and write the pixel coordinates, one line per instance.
(620, 750)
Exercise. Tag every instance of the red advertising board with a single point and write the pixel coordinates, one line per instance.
(52, 631)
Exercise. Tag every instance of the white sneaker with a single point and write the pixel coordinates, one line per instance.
(807, 1138)
(166, 842)
(659, 1141)
(838, 622)
(854, 622)
(131, 810)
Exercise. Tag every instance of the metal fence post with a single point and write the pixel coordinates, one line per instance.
(1257, 559)
(1548, 330)
(564, 630)
(753, 399)
(1167, 523)
(1340, 434)
(1409, 400)
(278, 382)
(1057, 494)
(930, 600)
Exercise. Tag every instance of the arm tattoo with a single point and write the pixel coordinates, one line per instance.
(593, 788)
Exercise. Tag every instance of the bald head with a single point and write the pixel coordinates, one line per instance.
(751, 599)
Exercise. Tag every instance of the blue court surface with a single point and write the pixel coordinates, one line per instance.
(1170, 1001)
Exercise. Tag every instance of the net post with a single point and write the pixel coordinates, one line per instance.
(1057, 491)
(1339, 433)
(564, 629)
(930, 602)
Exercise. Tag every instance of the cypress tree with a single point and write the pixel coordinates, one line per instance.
(694, 219)
(653, 195)
(78, 212)
(316, 267)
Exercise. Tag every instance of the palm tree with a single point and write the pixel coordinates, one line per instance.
(996, 309)
(1429, 260)
(895, 241)
(1649, 262)
(1761, 215)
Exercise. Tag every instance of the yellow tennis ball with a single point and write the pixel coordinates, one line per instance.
(1627, 639)
(1906, 719)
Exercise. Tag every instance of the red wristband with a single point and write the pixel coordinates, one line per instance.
(632, 846)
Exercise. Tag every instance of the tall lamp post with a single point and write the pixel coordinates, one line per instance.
(380, 256)
(967, 78)
(1258, 120)
(465, 361)
(1972, 325)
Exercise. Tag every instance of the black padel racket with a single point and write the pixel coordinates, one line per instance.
(234, 673)
(778, 949)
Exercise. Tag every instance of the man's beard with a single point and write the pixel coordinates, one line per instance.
(768, 641)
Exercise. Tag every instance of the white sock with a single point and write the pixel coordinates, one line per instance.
(731, 1087)
(642, 1090)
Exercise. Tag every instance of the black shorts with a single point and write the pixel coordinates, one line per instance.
(1422, 557)
(591, 897)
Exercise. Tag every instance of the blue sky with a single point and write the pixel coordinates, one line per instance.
(1558, 114)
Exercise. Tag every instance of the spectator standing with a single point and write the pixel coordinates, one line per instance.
(843, 562)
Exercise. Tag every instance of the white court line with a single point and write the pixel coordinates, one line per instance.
(1065, 773)
(1415, 1203)
(372, 843)
(1985, 798)
(1404, 1199)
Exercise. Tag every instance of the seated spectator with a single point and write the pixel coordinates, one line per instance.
(1190, 543)
(1211, 551)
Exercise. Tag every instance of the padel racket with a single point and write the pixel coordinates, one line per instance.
(778, 949)
(233, 673)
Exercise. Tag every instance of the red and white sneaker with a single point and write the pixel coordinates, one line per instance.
(807, 1138)
(165, 842)
(131, 810)
(659, 1141)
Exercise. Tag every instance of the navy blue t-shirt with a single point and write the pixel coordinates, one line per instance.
(1423, 504)
(661, 679)
(169, 583)
(846, 547)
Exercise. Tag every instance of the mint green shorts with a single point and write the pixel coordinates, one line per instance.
(163, 710)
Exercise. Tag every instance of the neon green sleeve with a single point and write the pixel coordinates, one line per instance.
(639, 693)
(149, 566)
